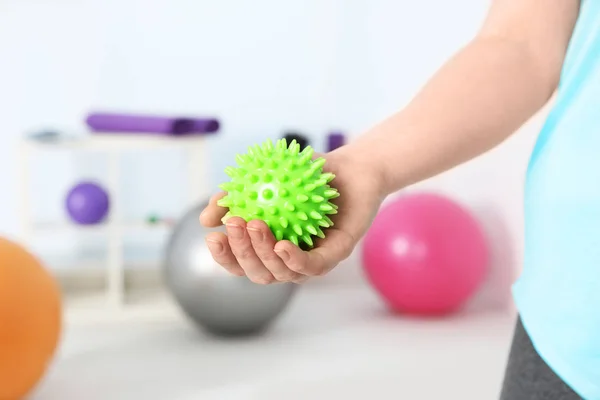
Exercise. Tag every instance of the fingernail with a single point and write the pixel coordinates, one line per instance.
(235, 231)
(283, 254)
(214, 246)
(256, 234)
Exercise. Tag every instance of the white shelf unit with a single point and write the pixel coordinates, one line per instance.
(112, 146)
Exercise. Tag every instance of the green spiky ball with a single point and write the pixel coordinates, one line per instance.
(283, 187)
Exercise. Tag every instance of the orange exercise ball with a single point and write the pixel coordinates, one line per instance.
(30, 320)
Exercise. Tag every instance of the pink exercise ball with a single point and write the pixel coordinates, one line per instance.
(425, 254)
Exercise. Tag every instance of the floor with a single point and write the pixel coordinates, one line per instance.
(331, 343)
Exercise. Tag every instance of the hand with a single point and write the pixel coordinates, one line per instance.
(251, 249)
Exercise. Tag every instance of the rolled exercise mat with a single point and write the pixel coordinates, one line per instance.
(129, 123)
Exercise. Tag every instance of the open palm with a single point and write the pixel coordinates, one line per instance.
(249, 248)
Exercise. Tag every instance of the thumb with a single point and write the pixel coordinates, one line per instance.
(211, 216)
(336, 247)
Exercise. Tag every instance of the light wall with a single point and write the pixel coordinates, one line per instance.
(261, 67)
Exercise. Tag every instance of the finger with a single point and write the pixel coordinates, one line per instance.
(301, 279)
(242, 248)
(211, 216)
(263, 242)
(221, 252)
(336, 247)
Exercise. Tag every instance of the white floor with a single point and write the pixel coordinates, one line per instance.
(331, 343)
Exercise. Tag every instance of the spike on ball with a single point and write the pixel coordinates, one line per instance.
(283, 186)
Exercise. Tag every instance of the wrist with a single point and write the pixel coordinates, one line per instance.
(359, 157)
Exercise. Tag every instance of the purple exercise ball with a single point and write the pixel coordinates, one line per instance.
(87, 203)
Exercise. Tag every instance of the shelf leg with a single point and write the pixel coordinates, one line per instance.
(115, 263)
(25, 195)
(197, 174)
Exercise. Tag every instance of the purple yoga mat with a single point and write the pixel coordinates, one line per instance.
(130, 123)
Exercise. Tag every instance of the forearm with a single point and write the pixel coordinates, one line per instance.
(473, 103)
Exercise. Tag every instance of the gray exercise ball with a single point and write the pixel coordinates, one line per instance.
(215, 300)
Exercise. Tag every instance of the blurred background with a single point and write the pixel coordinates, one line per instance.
(262, 69)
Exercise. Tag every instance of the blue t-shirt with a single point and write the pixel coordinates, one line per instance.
(558, 293)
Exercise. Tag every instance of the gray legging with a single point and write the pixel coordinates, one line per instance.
(528, 377)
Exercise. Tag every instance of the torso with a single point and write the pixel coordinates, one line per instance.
(558, 294)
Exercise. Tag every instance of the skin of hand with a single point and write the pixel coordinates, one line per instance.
(250, 249)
